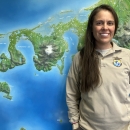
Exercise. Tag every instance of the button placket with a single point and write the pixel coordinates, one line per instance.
(103, 64)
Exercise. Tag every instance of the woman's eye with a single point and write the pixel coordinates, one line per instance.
(99, 23)
(110, 23)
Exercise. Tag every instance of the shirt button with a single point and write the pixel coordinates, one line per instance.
(129, 94)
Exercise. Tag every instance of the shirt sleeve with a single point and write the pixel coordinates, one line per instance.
(73, 90)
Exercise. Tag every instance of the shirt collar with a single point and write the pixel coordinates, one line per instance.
(116, 47)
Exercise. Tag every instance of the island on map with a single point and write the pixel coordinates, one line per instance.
(22, 128)
(4, 87)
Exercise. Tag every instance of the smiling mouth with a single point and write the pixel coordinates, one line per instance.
(104, 34)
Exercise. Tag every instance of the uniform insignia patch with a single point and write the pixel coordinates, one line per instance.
(117, 62)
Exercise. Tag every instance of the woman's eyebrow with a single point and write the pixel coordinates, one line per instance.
(105, 20)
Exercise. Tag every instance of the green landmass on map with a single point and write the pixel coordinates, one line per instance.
(61, 67)
(51, 48)
(22, 128)
(4, 87)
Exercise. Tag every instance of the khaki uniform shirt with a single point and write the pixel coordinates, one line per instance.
(108, 106)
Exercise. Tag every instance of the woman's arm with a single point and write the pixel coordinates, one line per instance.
(73, 91)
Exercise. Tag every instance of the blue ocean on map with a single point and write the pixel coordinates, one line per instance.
(38, 97)
(31, 96)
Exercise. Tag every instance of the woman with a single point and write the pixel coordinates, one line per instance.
(97, 88)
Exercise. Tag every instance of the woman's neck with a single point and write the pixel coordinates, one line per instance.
(103, 46)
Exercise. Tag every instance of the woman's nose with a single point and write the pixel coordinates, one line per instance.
(104, 26)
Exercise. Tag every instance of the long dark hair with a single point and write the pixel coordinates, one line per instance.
(90, 73)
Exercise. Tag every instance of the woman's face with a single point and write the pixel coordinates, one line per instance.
(103, 29)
